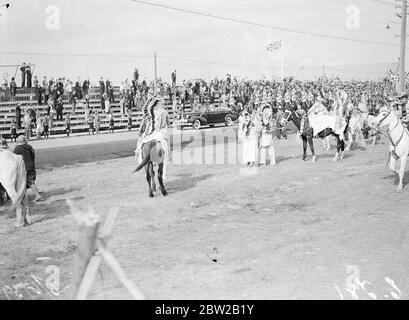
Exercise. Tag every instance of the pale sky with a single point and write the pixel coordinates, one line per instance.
(124, 27)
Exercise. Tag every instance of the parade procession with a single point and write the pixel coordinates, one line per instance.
(215, 150)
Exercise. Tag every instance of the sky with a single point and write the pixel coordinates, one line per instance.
(128, 34)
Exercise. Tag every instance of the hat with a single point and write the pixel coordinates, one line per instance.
(403, 95)
(3, 144)
(21, 140)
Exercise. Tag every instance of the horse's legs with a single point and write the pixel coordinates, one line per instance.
(403, 161)
(338, 155)
(304, 146)
(160, 178)
(148, 178)
(311, 143)
(13, 196)
(26, 212)
(272, 155)
(392, 164)
(152, 174)
(341, 150)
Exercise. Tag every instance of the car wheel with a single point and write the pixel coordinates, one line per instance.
(229, 121)
(197, 124)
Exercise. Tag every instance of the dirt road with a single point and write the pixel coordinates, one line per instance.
(300, 230)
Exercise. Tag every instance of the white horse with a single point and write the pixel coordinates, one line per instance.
(399, 141)
(13, 177)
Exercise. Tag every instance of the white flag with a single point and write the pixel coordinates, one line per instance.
(274, 45)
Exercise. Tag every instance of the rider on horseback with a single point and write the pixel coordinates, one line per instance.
(153, 126)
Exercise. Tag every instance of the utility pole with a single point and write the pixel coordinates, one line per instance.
(156, 76)
(402, 73)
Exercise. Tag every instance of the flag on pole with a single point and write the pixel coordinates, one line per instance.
(274, 45)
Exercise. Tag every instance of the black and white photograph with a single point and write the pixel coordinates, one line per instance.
(206, 150)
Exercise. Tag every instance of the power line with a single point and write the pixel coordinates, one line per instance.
(76, 54)
(209, 15)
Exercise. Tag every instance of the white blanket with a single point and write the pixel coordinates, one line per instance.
(320, 122)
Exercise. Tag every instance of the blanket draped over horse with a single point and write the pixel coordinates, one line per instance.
(320, 119)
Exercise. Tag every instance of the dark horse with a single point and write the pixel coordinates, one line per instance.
(152, 152)
(307, 135)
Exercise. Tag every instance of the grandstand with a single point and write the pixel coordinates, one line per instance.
(78, 121)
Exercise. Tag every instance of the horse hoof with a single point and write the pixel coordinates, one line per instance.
(150, 195)
(314, 159)
(399, 189)
(165, 193)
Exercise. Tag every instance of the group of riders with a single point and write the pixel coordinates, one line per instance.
(319, 109)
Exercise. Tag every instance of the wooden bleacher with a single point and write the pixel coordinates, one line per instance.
(78, 121)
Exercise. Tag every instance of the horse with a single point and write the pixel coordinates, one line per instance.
(153, 153)
(307, 134)
(399, 141)
(13, 177)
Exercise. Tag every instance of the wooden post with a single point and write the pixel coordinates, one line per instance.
(402, 82)
(92, 243)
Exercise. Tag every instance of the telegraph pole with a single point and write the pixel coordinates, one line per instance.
(402, 73)
(156, 76)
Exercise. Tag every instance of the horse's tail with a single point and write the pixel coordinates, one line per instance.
(145, 160)
(21, 183)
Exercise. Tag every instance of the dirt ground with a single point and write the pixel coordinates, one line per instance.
(299, 230)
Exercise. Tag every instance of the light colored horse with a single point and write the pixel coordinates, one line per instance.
(399, 141)
(13, 177)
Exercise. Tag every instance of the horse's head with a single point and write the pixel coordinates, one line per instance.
(286, 117)
(384, 117)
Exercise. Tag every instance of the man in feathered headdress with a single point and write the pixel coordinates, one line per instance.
(154, 126)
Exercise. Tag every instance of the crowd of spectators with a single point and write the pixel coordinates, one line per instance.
(229, 92)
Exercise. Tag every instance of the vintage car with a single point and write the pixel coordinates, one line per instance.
(206, 116)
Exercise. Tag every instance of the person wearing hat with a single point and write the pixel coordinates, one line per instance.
(27, 152)
(402, 102)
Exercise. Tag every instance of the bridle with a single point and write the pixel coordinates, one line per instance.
(389, 131)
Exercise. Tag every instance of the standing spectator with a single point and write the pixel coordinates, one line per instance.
(23, 74)
(37, 90)
(39, 127)
(46, 89)
(280, 128)
(107, 104)
(91, 122)
(174, 79)
(29, 75)
(13, 89)
(129, 115)
(18, 116)
(69, 90)
(136, 75)
(85, 88)
(111, 122)
(13, 131)
(46, 124)
(102, 92)
(78, 90)
(52, 113)
(67, 124)
(28, 154)
(97, 122)
(59, 108)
